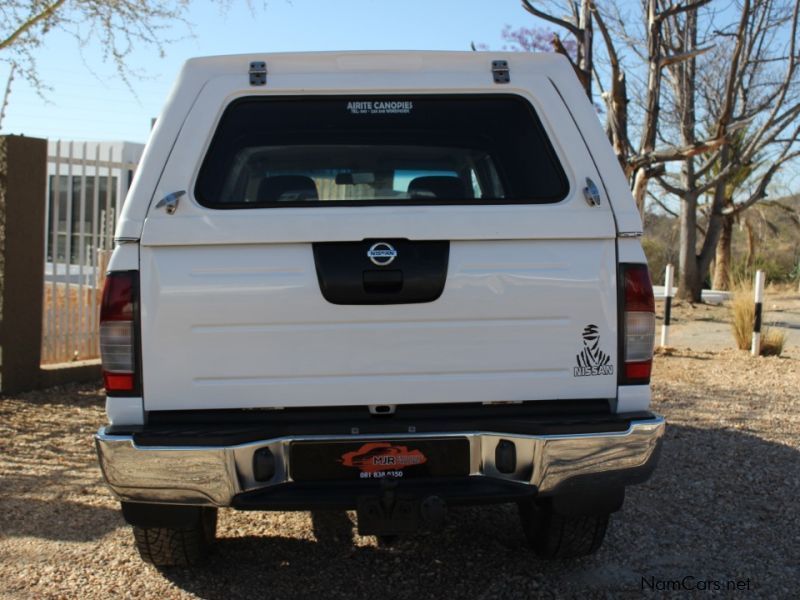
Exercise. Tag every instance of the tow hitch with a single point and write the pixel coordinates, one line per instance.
(391, 514)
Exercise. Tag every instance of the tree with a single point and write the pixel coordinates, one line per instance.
(640, 160)
(671, 52)
(579, 25)
(738, 178)
(747, 93)
(120, 25)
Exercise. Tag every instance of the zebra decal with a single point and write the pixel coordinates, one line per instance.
(592, 360)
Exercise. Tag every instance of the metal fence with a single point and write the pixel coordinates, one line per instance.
(86, 186)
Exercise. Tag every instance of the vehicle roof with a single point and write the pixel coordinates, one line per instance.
(384, 60)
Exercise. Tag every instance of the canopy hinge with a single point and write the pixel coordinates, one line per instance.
(500, 71)
(258, 72)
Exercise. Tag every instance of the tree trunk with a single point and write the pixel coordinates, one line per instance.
(650, 126)
(722, 261)
(690, 284)
(751, 245)
(586, 45)
(692, 268)
(640, 189)
(715, 221)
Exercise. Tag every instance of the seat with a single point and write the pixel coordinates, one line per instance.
(287, 188)
(442, 187)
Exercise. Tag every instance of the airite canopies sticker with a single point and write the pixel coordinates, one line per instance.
(380, 107)
(377, 459)
(592, 360)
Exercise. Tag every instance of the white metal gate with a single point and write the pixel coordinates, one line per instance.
(86, 187)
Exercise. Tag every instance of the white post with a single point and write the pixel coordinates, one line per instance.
(668, 293)
(67, 312)
(755, 348)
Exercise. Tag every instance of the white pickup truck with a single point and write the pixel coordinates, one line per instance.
(388, 282)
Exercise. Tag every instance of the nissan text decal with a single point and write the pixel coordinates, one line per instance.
(382, 254)
(592, 360)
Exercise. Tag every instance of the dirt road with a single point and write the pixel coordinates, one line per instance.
(706, 327)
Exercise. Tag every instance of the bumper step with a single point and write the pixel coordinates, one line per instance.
(224, 475)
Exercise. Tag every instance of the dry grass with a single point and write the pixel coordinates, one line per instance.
(772, 341)
(743, 315)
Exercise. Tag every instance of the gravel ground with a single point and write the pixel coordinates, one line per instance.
(722, 505)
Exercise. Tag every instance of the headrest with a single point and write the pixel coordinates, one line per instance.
(287, 188)
(442, 187)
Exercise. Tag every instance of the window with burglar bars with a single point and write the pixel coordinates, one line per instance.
(82, 217)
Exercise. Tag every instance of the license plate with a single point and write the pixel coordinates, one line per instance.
(378, 459)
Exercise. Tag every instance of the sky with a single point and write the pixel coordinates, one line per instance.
(88, 101)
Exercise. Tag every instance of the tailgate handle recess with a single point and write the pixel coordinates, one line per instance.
(383, 282)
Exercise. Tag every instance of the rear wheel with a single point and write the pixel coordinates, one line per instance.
(182, 546)
(386, 541)
(552, 535)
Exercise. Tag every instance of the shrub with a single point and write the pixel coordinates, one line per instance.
(772, 341)
(777, 269)
(743, 316)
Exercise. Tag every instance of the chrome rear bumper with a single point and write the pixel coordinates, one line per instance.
(213, 476)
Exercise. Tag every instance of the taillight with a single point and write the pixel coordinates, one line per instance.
(118, 331)
(638, 324)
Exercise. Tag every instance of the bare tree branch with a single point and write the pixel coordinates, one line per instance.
(617, 99)
(669, 188)
(677, 9)
(118, 27)
(42, 16)
(663, 206)
(761, 190)
(783, 90)
(674, 154)
(676, 58)
(733, 72)
(573, 29)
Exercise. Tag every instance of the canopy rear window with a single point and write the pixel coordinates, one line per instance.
(289, 152)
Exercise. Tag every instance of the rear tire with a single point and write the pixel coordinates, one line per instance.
(387, 541)
(178, 547)
(555, 536)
